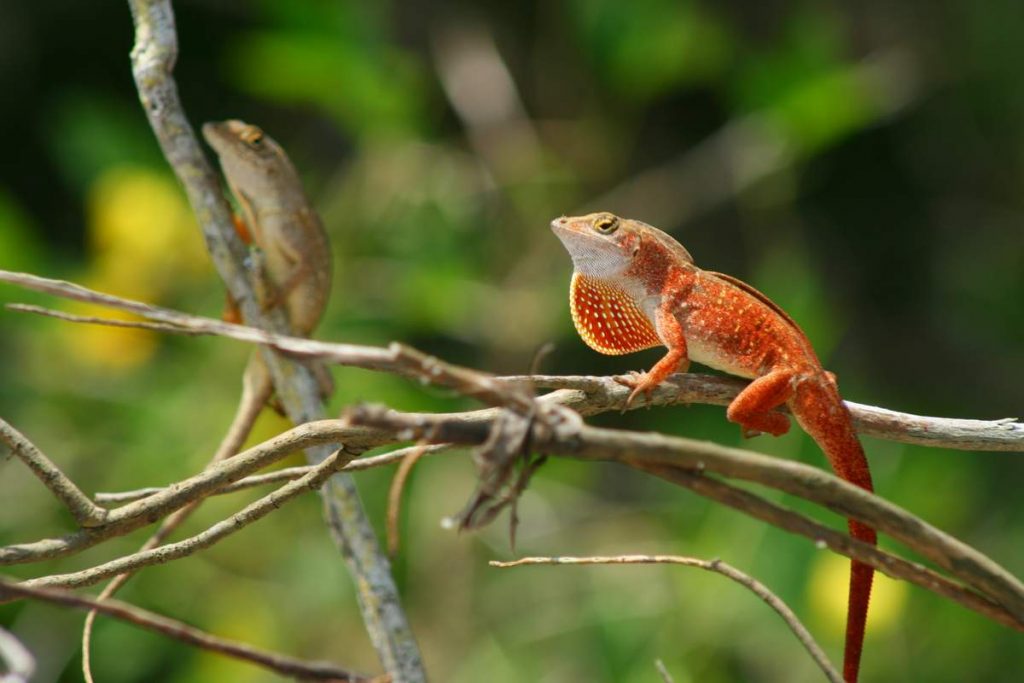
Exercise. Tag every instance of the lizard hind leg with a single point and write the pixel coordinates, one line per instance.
(752, 409)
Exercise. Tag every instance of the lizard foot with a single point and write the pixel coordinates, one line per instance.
(638, 382)
(775, 424)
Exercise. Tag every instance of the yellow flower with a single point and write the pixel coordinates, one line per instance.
(828, 588)
(143, 243)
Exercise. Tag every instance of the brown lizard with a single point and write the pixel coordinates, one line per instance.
(295, 265)
(279, 220)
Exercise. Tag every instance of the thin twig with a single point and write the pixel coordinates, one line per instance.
(717, 566)
(396, 358)
(135, 515)
(219, 531)
(283, 474)
(19, 664)
(254, 395)
(395, 495)
(282, 664)
(666, 677)
(85, 512)
(825, 537)
(101, 320)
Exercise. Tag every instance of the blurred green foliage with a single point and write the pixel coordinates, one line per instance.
(861, 164)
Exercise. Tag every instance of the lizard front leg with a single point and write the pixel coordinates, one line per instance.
(752, 409)
(676, 360)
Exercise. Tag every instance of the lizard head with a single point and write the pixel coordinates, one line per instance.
(605, 246)
(247, 154)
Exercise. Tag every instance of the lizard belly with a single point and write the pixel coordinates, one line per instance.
(712, 356)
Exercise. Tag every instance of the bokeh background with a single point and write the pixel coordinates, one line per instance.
(861, 163)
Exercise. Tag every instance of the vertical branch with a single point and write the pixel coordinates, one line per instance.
(153, 58)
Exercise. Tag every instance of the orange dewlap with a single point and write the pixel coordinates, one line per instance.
(607, 318)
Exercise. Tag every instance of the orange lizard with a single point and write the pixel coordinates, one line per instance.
(634, 287)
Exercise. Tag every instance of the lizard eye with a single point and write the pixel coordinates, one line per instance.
(253, 137)
(606, 224)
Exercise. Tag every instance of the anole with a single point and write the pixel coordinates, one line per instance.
(279, 220)
(634, 287)
(295, 271)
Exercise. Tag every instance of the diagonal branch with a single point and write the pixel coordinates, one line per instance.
(823, 536)
(282, 664)
(284, 474)
(172, 551)
(85, 512)
(140, 513)
(717, 566)
(686, 461)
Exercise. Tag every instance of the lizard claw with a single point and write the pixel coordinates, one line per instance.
(638, 382)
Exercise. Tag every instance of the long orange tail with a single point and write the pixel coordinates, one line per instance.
(822, 414)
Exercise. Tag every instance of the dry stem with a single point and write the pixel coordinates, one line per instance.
(282, 664)
(717, 566)
(172, 551)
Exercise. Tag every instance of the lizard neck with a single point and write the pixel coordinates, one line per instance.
(655, 272)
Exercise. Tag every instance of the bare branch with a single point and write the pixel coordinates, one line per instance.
(663, 455)
(592, 394)
(396, 358)
(395, 495)
(717, 566)
(140, 513)
(85, 512)
(561, 431)
(825, 537)
(219, 531)
(604, 393)
(284, 474)
(653, 450)
(282, 664)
